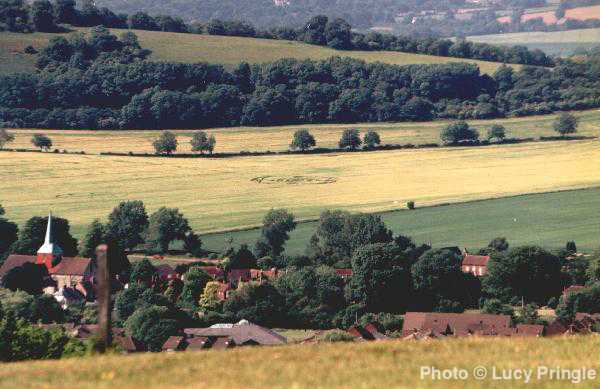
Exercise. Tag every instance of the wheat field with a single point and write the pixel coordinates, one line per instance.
(231, 193)
(229, 51)
(387, 364)
(278, 138)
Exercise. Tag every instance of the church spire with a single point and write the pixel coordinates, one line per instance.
(49, 247)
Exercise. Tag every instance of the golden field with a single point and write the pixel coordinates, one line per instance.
(231, 193)
(278, 138)
(229, 51)
(388, 364)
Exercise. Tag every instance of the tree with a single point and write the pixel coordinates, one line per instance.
(586, 301)
(339, 234)
(371, 140)
(5, 138)
(496, 307)
(151, 325)
(350, 139)
(143, 21)
(202, 142)
(459, 132)
(258, 303)
(166, 143)
(566, 123)
(41, 141)
(338, 34)
(528, 314)
(313, 296)
(8, 236)
(529, 273)
(165, 226)
(303, 140)
(277, 224)
(209, 300)
(128, 300)
(497, 132)
(65, 12)
(29, 277)
(440, 284)
(42, 16)
(380, 278)
(593, 269)
(142, 272)
(95, 236)
(192, 244)
(126, 224)
(31, 237)
(499, 244)
(194, 283)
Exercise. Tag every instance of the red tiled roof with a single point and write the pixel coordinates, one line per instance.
(126, 343)
(458, 324)
(529, 330)
(165, 272)
(71, 266)
(198, 343)
(174, 343)
(239, 275)
(213, 271)
(222, 343)
(475, 260)
(556, 328)
(344, 272)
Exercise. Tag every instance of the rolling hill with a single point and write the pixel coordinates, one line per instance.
(561, 43)
(190, 48)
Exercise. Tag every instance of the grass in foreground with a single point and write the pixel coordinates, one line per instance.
(547, 219)
(563, 43)
(225, 194)
(191, 48)
(278, 138)
(390, 364)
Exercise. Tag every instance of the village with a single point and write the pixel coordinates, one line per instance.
(73, 280)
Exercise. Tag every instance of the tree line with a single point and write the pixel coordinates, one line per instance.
(391, 274)
(44, 16)
(100, 81)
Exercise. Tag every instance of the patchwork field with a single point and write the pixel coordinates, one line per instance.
(546, 219)
(388, 364)
(562, 43)
(278, 138)
(190, 48)
(218, 195)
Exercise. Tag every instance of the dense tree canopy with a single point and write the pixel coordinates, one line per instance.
(31, 237)
(126, 224)
(274, 233)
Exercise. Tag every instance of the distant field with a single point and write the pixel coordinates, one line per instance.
(224, 194)
(548, 220)
(549, 17)
(190, 48)
(278, 138)
(561, 43)
(368, 365)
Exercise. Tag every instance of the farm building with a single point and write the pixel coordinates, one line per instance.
(475, 264)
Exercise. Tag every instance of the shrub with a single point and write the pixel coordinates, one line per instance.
(337, 336)
(410, 205)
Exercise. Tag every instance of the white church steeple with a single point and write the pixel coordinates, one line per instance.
(49, 247)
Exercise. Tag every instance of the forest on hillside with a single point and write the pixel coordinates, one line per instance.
(267, 13)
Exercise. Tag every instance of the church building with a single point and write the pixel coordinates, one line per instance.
(70, 276)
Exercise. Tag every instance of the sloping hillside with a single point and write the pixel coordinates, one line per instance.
(218, 49)
(389, 364)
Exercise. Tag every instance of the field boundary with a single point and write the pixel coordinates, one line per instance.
(316, 151)
(432, 206)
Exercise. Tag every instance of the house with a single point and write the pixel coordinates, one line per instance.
(65, 272)
(536, 330)
(572, 289)
(367, 332)
(345, 274)
(166, 273)
(475, 264)
(175, 343)
(127, 344)
(242, 333)
(215, 272)
(456, 324)
(237, 276)
(260, 276)
(223, 290)
(197, 343)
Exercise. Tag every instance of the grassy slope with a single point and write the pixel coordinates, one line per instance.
(391, 364)
(557, 43)
(549, 220)
(217, 195)
(215, 49)
(278, 138)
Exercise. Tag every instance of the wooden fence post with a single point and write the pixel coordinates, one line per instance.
(103, 296)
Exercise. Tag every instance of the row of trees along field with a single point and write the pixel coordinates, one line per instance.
(45, 16)
(99, 81)
(391, 274)
(302, 140)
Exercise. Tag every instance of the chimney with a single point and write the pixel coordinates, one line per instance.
(49, 254)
